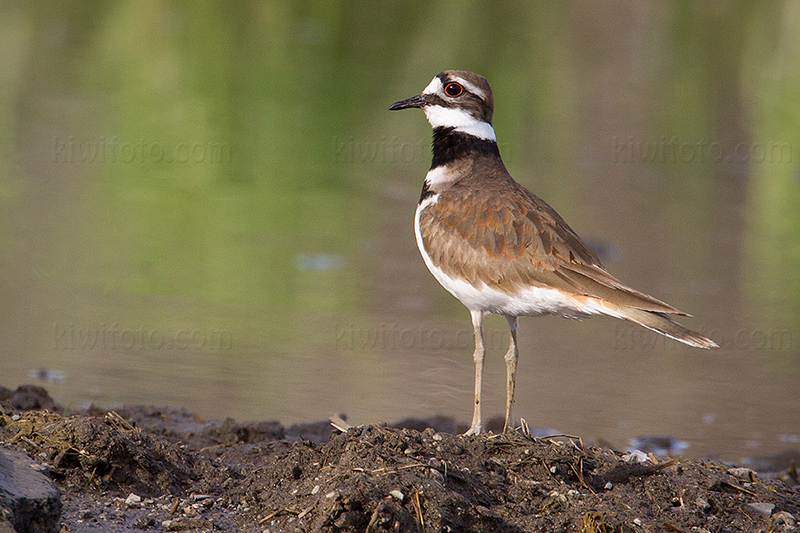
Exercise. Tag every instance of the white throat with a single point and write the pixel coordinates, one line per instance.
(460, 120)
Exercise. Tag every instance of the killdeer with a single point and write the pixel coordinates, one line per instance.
(498, 247)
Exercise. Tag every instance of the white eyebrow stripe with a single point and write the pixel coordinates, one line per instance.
(470, 87)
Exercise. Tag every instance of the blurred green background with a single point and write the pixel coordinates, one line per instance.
(208, 205)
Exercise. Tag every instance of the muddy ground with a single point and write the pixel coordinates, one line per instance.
(162, 469)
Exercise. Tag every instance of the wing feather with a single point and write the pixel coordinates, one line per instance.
(508, 238)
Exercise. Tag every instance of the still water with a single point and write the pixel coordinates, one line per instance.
(211, 207)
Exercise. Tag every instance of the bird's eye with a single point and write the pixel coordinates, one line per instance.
(453, 89)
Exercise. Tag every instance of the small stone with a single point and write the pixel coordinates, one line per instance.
(437, 437)
(133, 500)
(315, 489)
(638, 521)
(199, 497)
(143, 522)
(761, 508)
(397, 495)
(744, 474)
(486, 512)
(185, 524)
(636, 456)
(435, 474)
(332, 494)
(553, 470)
(784, 518)
(573, 492)
(608, 486)
(702, 504)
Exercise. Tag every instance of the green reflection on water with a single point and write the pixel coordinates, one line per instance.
(233, 168)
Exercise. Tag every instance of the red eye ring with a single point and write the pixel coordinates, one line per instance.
(453, 89)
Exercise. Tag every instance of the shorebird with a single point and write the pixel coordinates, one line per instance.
(498, 247)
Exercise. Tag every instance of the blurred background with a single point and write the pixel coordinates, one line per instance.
(210, 206)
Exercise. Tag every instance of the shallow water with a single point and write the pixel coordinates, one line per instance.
(216, 203)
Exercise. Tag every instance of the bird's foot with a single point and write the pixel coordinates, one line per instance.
(474, 430)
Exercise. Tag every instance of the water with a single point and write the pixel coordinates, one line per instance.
(212, 208)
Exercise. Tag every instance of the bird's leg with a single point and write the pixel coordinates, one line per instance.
(511, 370)
(478, 355)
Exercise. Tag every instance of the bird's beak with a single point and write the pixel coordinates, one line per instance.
(414, 101)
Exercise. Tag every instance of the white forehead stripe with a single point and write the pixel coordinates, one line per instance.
(460, 120)
(434, 87)
(470, 87)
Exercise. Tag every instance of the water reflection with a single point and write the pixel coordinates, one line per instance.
(171, 178)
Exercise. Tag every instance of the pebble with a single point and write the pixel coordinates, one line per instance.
(185, 524)
(133, 500)
(609, 486)
(638, 521)
(784, 518)
(744, 474)
(435, 474)
(315, 489)
(636, 456)
(397, 495)
(702, 504)
(143, 522)
(761, 508)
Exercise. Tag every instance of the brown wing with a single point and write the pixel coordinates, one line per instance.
(508, 238)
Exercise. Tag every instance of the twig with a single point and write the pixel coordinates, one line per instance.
(275, 513)
(340, 423)
(418, 509)
(116, 418)
(374, 518)
(742, 489)
(579, 474)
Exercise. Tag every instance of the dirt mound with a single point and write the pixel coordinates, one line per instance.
(172, 471)
(382, 478)
(107, 453)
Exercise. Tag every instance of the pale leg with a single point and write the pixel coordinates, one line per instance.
(511, 370)
(478, 356)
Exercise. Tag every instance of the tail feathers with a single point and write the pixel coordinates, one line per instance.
(661, 323)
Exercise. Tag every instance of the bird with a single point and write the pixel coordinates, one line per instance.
(499, 248)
